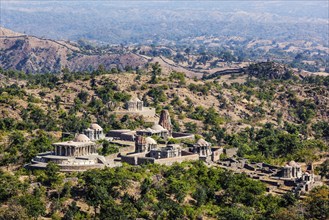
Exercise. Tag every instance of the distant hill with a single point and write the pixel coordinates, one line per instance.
(37, 55)
(164, 22)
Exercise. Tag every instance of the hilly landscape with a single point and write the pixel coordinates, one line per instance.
(35, 55)
(32, 54)
(270, 113)
(245, 83)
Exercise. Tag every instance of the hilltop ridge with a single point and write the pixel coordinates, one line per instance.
(32, 54)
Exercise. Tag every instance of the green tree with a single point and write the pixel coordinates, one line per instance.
(317, 203)
(156, 71)
(324, 169)
(34, 203)
(9, 186)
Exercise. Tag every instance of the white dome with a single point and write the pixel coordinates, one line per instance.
(81, 138)
(292, 163)
(135, 99)
(202, 142)
(150, 140)
(157, 127)
(96, 127)
(149, 130)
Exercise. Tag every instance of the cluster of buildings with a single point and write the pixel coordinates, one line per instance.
(81, 154)
(167, 151)
(161, 145)
(278, 179)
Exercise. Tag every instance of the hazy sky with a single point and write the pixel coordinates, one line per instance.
(90, 19)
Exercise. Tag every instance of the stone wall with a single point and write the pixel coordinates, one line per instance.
(132, 158)
(116, 134)
(180, 135)
(186, 153)
(170, 161)
(146, 112)
(145, 160)
(271, 182)
(127, 137)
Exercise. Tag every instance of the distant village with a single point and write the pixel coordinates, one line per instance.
(137, 147)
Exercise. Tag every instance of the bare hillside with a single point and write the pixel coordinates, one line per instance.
(36, 55)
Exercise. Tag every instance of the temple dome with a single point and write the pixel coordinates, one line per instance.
(293, 163)
(135, 99)
(202, 142)
(81, 138)
(96, 127)
(157, 127)
(149, 130)
(150, 140)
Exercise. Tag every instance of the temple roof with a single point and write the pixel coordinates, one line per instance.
(81, 138)
(157, 127)
(74, 144)
(96, 127)
(150, 140)
(135, 100)
(202, 142)
(293, 163)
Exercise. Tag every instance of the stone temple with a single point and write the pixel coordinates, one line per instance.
(135, 106)
(292, 170)
(79, 154)
(95, 132)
